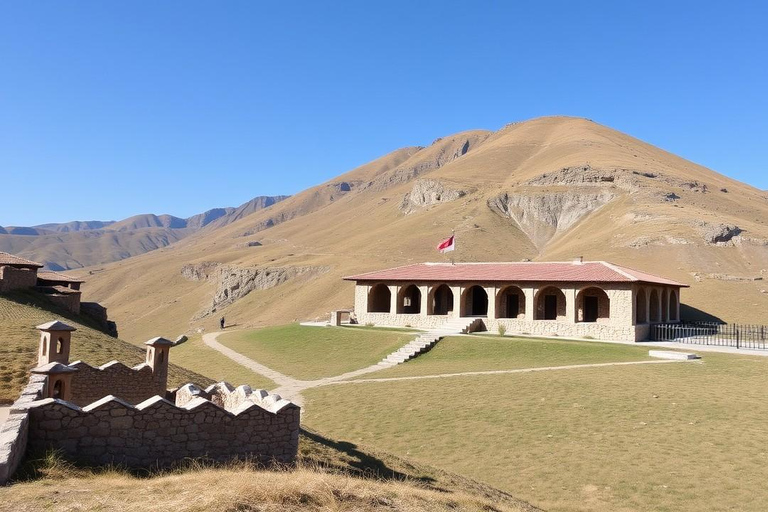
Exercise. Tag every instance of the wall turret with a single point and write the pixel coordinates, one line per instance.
(55, 340)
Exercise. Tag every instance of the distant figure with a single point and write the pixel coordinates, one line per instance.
(222, 322)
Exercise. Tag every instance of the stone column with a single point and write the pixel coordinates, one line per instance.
(457, 289)
(491, 292)
(424, 289)
(157, 358)
(393, 291)
(529, 295)
(570, 304)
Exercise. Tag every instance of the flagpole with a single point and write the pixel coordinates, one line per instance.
(453, 234)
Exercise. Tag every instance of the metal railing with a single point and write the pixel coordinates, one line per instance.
(713, 333)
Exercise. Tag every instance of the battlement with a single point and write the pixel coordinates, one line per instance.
(132, 384)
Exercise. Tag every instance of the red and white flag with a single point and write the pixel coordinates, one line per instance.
(449, 244)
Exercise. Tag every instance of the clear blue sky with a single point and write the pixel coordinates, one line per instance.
(180, 106)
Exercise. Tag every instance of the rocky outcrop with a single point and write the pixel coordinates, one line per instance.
(718, 233)
(234, 283)
(541, 216)
(428, 192)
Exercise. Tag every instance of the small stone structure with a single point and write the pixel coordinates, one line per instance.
(115, 414)
(575, 299)
(17, 273)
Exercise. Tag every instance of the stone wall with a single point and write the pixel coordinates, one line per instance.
(14, 432)
(12, 278)
(67, 300)
(132, 385)
(157, 433)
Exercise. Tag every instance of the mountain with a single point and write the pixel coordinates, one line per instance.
(545, 189)
(78, 244)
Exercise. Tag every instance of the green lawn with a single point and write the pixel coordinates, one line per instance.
(315, 352)
(198, 357)
(480, 353)
(662, 437)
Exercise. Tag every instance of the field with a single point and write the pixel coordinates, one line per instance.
(671, 436)
(195, 356)
(310, 353)
(21, 312)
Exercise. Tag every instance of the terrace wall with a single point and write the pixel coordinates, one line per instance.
(132, 385)
(14, 432)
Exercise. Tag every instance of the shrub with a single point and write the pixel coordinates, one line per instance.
(369, 324)
(502, 329)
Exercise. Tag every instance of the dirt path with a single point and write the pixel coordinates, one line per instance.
(291, 388)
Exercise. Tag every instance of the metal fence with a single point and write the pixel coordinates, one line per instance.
(711, 333)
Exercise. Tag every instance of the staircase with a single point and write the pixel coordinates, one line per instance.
(425, 341)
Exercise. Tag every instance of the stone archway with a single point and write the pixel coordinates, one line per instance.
(674, 306)
(475, 301)
(510, 302)
(409, 300)
(379, 299)
(440, 300)
(665, 305)
(592, 305)
(550, 303)
(653, 306)
(641, 307)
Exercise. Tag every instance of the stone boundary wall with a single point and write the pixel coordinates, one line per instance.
(132, 385)
(157, 433)
(12, 278)
(15, 430)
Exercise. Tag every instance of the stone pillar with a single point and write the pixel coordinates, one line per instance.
(570, 305)
(491, 292)
(393, 291)
(677, 313)
(530, 306)
(157, 358)
(59, 380)
(456, 289)
(424, 290)
(55, 338)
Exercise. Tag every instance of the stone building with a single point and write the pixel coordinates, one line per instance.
(578, 299)
(17, 273)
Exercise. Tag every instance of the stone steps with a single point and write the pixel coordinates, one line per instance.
(425, 341)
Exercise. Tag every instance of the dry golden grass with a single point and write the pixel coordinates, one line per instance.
(329, 476)
(20, 312)
(363, 229)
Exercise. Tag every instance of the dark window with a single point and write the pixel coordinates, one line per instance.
(550, 307)
(591, 308)
(513, 305)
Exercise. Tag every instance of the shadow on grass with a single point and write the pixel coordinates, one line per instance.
(351, 460)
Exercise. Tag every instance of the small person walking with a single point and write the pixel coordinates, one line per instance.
(222, 323)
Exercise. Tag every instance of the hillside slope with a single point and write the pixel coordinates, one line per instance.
(77, 244)
(545, 189)
(20, 312)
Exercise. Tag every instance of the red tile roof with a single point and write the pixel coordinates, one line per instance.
(588, 271)
(10, 259)
(49, 275)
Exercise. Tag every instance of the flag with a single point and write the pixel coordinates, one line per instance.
(449, 244)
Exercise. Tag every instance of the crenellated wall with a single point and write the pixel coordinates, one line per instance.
(157, 433)
(12, 278)
(133, 385)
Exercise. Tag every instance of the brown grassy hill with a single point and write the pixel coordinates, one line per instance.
(545, 189)
(20, 312)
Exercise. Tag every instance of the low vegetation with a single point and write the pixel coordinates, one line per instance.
(314, 352)
(666, 437)
(329, 475)
(20, 312)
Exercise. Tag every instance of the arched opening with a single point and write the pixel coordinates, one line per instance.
(475, 301)
(60, 346)
(592, 305)
(510, 303)
(161, 358)
(653, 306)
(442, 300)
(550, 303)
(409, 300)
(45, 346)
(673, 306)
(58, 389)
(641, 307)
(379, 299)
(665, 305)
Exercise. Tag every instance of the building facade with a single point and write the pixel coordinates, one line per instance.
(593, 299)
